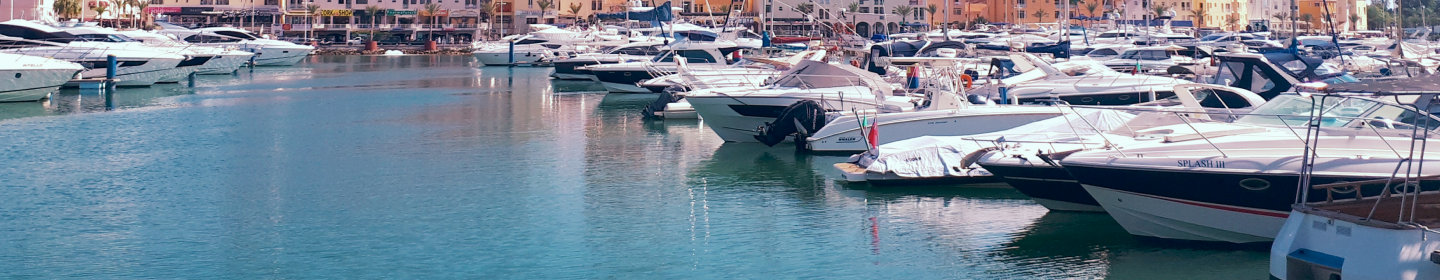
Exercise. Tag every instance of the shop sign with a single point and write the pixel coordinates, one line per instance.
(401, 12)
(336, 12)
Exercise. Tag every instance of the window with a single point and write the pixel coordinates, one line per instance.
(863, 10)
(879, 2)
(531, 3)
(1022, 15)
(769, 10)
(1103, 52)
(959, 12)
(597, 4)
(362, 2)
(267, 2)
(157, 2)
(920, 15)
(207, 2)
(879, 10)
(1020, 2)
(914, 2)
(1057, 14)
(862, 2)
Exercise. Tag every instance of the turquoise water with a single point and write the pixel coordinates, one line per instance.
(364, 167)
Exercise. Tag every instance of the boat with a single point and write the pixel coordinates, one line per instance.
(267, 52)
(196, 57)
(1149, 59)
(1372, 229)
(700, 55)
(26, 78)
(737, 113)
(1078, 82)
(946, 111)
(1228, 181)
(226, 60)
(567, 68)
(1033, 167)
(135, 67)
(530, 48)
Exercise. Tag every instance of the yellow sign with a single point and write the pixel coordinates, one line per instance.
(337, 13)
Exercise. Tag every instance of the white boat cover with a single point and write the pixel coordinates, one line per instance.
(816, 74)
(936, 156)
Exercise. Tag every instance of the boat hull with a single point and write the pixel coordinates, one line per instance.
(1051, 186)
(281, 56)
(32, 85)
(1312, 246)
(503, 58)
(844, 132)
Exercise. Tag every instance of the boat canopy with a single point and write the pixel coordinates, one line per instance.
(816, 74)
(933, 156)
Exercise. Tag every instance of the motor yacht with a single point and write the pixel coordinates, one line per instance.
(1233, 181)
(134, 67)
(737, 114)
(1149, 59)
(226, 61)
(953, 159)
(1078, 82)
(267, 52)
(531, 48)
(31, 78)
(196, 58)
(567, 68)
(1357, 232)
(699, 55)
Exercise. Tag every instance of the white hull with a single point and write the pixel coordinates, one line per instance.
(734, 127)
(280, 56)
(503, 58)
(223, 64)
(1056, 205)
(844, 132)
(34, 85)
(141, 75)
(177, 74)
(1359, 251)
(624, 88)
(563, 76)
(1169, 218)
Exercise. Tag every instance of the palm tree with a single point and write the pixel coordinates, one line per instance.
(144, 17)
(1158, 9)
(575, 10)
(1091, 8)
(1039, 15)
(806, 9)
(1231, 21)
(1198, 16)
(1306, 17)
(310, 11)
(66, 8)
(99, 11)
(373, 11)
(932, 9)
(1354, 21)
(544, 6)
(432, 9)
(903, 12)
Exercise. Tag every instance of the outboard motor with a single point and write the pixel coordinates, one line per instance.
(800, 119)
(666, 97)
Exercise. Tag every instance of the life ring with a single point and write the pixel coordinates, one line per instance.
(969, 82)
(855, 63)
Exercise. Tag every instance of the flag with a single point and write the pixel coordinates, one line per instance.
(874, 136)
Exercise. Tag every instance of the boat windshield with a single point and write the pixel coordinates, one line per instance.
(1294, 111)
(1082, 68)
(114, 38)
(1212, 37)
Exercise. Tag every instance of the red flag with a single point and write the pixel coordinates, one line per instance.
(874, 137)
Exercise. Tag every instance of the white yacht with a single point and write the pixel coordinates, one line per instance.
(1374, 229)
(197, 58)
(954, 159)
(1078, 82)
(135, 67)
(567, 68)
(946, 111)
(226, 60)
(736, 114)
(699, 55)
(1235, 182)
(31, 78)
(1149, 59)
(267, 52)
